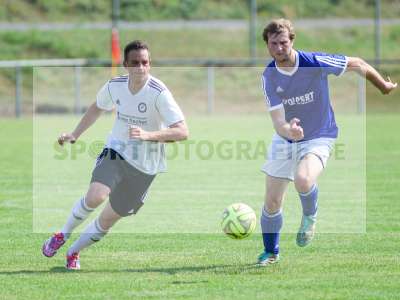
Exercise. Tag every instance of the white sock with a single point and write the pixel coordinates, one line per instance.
(92, 234)
(79, 213)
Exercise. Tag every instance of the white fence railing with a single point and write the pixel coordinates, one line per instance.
(210, 64)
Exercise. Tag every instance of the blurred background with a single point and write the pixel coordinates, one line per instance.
(56, 54)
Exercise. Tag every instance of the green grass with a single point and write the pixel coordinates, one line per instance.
(193, 43)
(171, 44)
(144, 10)
(55, 86)
(201, 266)
(209, 154)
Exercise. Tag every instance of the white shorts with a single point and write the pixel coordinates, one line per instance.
(283, 157)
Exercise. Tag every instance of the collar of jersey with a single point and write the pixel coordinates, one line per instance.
(139, 91)
(296, 66)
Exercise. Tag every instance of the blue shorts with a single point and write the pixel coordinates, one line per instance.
(283, 157)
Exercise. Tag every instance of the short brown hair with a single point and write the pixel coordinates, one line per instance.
(135, 45)
(278, 26)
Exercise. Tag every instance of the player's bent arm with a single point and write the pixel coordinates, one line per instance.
(176, 132)
(279, 122)
(360, 66)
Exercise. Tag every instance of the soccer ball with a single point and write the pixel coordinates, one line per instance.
(238, 221)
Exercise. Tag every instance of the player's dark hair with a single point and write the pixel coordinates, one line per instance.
(277, 27)
(134, 45)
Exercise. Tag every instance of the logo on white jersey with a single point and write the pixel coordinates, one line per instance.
(142, 107)
(279, 89)
(118, 102)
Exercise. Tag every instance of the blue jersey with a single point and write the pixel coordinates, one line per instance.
(304, 93)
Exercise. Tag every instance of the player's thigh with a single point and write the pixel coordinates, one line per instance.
(108, 217)
(106, 175)
(308, 170)
(129, 196)
(275, 193)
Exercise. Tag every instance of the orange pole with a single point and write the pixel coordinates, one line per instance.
(115, 51)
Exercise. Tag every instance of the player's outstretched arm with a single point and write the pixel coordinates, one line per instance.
(360, 66)
(292, 131)
(176, 132)
(91, 115)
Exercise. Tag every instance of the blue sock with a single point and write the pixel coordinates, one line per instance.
(271, 226)
(309, 201)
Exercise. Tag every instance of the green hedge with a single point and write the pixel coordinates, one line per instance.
(139, 10)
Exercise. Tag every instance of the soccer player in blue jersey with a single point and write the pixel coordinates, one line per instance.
(296, 91)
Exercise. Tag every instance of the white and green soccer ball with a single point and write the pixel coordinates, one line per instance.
(238, 221)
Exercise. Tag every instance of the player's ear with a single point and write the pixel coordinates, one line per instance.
(125, 64)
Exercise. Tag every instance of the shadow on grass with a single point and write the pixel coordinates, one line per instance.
(226, 269)
(223, 269)
(37, 272)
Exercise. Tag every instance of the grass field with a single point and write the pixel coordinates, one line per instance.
(83, 10)
(173, 44)
(194, 43)
(195, 197)
(201, 265)
(54, 86)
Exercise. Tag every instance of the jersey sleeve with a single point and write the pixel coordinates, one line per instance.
(104, 99)
(272, 100)
(331, 63)
(168, 108)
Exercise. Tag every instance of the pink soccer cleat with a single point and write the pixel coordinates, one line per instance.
(54, 243)
(73, 262)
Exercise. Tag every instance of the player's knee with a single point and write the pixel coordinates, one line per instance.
(108, 217)
(96, 196)
(106, 222)
(303, 183)
(273, 203)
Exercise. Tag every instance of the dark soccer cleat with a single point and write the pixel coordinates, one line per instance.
(54, 243)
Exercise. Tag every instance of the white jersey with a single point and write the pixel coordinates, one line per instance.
(152, 108)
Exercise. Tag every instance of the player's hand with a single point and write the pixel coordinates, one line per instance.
(66, 137)
(135, 132)
(389, 86)
(295, 131)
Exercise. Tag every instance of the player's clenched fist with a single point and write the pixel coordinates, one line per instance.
(135, 132)
(296, 132)
(66, 137)
(389, 86)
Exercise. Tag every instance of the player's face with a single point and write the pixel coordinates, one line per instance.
(138, 63)
(280, 46)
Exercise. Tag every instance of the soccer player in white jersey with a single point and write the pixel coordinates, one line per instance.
(147, 116)
(295, 86)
